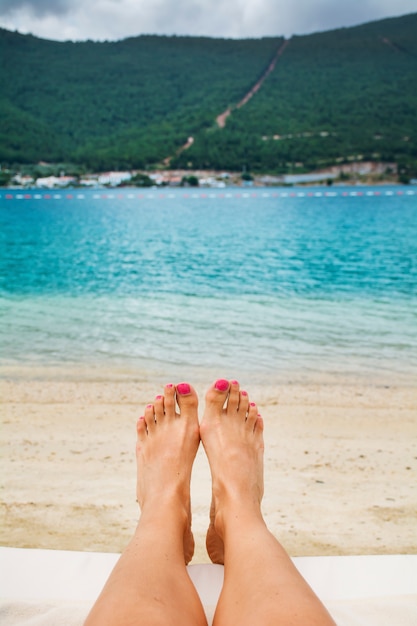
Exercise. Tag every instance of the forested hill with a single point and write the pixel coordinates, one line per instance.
(325, 98)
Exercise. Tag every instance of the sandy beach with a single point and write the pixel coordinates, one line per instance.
(340, 464)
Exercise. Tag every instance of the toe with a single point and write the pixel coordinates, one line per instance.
(216, 395)
(243, 403)
(187, 398)
(149, 417)
(159, 409)
(252, 416)
(141, 430)
(234, 397)
(259, 426)
(169, 401)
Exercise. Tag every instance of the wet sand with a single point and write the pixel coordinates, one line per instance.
(340, 464)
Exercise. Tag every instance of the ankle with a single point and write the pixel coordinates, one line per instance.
(170, 504)
(235, 513)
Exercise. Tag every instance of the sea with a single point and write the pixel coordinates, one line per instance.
(260, 284)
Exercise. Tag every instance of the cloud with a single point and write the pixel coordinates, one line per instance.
(117, 19)
(38, 8)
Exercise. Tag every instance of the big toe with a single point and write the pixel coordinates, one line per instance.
(187, 399)
(216, 397)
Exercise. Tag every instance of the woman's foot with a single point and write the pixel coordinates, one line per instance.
(232, 435)
(167, 442)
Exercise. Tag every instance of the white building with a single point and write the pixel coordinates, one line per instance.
(23, 180)
(113, 178)
(54, 181)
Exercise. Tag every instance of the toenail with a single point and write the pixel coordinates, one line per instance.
(149, 406)
(221, 384)
(244, 393)
(235, 382)
(252, 404)
(158, 397)
(183, 389)
(170, 385)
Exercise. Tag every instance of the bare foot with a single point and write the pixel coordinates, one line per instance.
(232, 435)
(167, 443)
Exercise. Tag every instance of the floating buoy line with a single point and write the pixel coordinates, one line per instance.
(202, 194)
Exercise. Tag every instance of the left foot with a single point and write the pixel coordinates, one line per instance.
(167, 442)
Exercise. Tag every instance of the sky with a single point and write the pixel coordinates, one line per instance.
(117, 19)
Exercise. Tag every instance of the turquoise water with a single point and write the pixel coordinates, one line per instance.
(283, 284)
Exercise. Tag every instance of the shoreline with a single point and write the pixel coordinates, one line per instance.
(236, 184)
(356, 173)
(339, 464)
(103, 373)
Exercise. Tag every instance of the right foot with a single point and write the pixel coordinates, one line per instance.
(232, 435)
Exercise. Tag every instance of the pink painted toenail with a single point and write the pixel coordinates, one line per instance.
(221, 384)
(158, 397)
(149, 406)
(170, 385)
(235, 382)
(183, 389)
(244, 393)
(252, 404)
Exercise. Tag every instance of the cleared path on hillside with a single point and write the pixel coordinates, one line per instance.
(221, 119)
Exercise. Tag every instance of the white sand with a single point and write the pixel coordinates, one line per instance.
(340, 465)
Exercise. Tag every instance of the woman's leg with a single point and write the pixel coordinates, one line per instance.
(261, 585)
(150, 585)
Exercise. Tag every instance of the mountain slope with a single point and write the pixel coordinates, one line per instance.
(337, 95)
(329, 97)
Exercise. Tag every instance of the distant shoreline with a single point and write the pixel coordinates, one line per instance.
(355, 173)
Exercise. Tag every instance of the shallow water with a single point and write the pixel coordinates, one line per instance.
(283, 284)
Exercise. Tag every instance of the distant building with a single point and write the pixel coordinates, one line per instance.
(295, 179)
(158, 179)
(22, 180)
(88, 182)
(113, 179)
(50, 182)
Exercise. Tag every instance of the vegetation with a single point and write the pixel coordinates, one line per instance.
(333, 97)
(189, 181)
(141, 180)
(5, 178)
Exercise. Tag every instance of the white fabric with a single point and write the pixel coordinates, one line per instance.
(50, 588)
